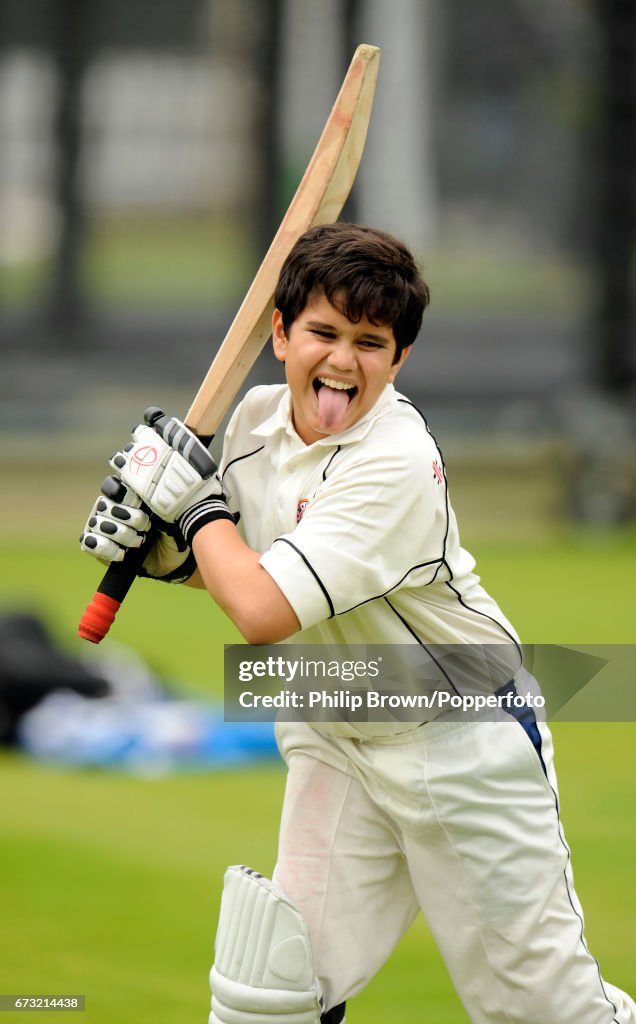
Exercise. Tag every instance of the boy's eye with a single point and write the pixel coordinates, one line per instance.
(323, 334)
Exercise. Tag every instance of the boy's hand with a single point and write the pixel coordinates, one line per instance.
(167, 466)
(173, 473)
(166, 480)
(117, 522)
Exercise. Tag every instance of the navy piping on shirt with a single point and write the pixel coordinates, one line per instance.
(422, 644)
(443, 561)
(239, 458)
(284, 540)
(477, 611)
(377, 597)
(337, 452)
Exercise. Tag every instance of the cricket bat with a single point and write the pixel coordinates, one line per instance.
(319, 199)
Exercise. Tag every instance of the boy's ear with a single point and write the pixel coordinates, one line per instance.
(279, 338)
(396, 366)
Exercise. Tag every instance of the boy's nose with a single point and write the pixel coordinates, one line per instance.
(342, 357)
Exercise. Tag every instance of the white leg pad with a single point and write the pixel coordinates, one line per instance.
(263, 971)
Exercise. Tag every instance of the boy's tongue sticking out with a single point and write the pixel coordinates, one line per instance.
(332, 406)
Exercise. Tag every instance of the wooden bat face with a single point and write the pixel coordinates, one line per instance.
(319, 199)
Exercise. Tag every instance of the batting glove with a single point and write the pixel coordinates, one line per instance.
(118, 522)
(166, 481)
(173, 473)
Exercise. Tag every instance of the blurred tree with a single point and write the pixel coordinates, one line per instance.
(77, 30)
(71, 51)
(25, 24)
(267, 60)
(615, 214)
(351, 13)
(150, 25)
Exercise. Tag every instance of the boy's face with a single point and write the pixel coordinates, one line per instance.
(335, 369)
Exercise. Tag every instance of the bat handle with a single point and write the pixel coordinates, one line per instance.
(117, 580)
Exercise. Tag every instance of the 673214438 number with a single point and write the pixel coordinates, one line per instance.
(39, 1002)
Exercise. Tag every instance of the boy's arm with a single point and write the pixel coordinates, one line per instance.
(231, 572)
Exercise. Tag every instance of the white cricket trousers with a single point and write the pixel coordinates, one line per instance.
(459, 820)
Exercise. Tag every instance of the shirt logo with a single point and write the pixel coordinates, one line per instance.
(300, 510)
(437, 472)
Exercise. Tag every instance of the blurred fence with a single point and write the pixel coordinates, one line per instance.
(148, 151)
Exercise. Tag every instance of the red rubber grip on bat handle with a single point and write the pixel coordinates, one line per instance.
(98, 617)
(117, 580)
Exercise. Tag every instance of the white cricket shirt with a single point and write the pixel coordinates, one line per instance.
(357, 529)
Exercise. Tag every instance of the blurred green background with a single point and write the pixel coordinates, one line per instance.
(148, 153)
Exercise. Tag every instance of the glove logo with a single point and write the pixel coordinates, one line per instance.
(142, 458)
(300, 510)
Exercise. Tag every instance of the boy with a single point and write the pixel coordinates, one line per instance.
(346, 535)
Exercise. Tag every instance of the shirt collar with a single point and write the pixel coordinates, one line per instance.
(281, 420)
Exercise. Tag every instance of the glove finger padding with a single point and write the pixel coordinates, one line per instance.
(118, 522)
(101, 548)
(121, 522)
(168, 559)
(114, 526)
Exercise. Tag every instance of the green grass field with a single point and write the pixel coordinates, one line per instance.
(110, 884)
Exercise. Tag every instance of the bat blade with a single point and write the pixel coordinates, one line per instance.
(320, 196)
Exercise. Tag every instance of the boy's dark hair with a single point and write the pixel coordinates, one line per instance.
(362, 272)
